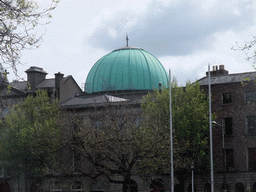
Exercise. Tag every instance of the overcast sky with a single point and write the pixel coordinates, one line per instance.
(185, 36)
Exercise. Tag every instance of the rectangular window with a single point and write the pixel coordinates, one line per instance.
(227, 123)
(227, 98)
(250, 121)
(250, 96)
(252, 159)
(229, 159)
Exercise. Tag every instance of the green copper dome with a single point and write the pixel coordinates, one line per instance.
(126, 69)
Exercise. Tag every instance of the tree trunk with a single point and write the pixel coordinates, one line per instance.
(126, 185)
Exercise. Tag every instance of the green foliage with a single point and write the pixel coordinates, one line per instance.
(190, 125)
(29, 135)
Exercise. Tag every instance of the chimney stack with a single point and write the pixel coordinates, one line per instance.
(58, 83)
(218, 71)
(35, 75)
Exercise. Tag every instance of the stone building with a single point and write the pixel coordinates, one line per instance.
(124, 76)
(119, 78)
(60, 87)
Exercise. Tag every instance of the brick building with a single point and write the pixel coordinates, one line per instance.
(233, 102)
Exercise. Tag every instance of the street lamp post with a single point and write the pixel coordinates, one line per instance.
(192, 169)
(223, 154)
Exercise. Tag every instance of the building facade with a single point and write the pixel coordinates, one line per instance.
(233, 103)
(124, 76)
(11, 93)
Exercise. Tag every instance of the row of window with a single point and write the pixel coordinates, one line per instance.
(239, 187)
(250, 123)
(229, 159)
(250, 97)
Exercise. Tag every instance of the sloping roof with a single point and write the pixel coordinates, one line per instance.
(46, 83)
(84, 101)
(49, 82)
(20, 85)
(230, 78)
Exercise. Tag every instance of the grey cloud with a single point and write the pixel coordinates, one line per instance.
(175, 30)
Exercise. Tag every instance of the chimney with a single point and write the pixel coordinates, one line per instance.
(35, 75)
(222, 67)
(218, 71)
(58, 83)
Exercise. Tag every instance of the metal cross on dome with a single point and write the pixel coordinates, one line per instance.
(127, 40)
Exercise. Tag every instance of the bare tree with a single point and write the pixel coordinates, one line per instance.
(18, 19)
(112, 143)
(247, 48)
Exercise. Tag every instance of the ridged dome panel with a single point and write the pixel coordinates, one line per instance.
(126, 69)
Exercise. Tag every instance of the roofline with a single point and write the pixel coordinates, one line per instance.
(128, 47)
(231, 74)
(70, 76)
(107, 104)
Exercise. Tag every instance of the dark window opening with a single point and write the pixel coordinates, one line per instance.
(226, 186)
(239, 187)
(207, 187)
(229, 160)
(254, 187)
(228, 126)
(4, 186)
(132, 186)
(227, 98)
(252, 159)
(157, 185)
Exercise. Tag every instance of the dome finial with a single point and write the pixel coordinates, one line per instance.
(127, 40)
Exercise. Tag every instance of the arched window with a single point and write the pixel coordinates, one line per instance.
(5, 187)
(77, 186)
(207, 187)
(157, 185)
(133, 187)
(239, 187)
(227, 187)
